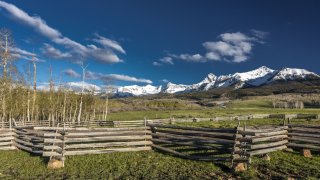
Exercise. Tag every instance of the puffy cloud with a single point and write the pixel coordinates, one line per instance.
(193, 58)
(234, 47)
(71, 72)
(231, 47)
(115, 77)
(105, 54)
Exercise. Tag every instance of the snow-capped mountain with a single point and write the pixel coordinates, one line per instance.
(294, 74)
(175, 88)
(254, 78)
(138, 90)
(72, 86)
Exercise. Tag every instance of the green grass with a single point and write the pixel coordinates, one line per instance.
(204, 113)
(154, 165)
(284, 165)
(133, 165)
(251, 122)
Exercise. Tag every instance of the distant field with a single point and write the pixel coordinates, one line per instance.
(203, 113)
(251, 122)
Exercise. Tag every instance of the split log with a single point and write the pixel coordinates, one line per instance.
(265, 151)
(103, 151)
(199, 158)
(194, 128)
(109, 144)
(305, 146)
(192, 138)
(313, 141)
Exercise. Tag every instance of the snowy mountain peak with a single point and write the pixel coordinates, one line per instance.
(258, 77)
(138, 90)
(174, 88)
(254, 74)
(293, 74)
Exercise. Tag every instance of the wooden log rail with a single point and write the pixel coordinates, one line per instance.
(6, 139)
(80, 141)
(304, 137)
(29, 140)
(256, 142)
(204, 144)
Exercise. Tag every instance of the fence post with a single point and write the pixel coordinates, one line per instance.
(241, 164)
(145, 131)
(63, 144)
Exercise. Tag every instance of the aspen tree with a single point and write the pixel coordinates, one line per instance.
(82, 91)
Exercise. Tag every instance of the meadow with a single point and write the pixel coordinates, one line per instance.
(158, 165)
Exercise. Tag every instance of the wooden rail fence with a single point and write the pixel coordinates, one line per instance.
(252, 142)
(233, 145)
(6, 139)
(96, 141)
(304, 137)
(206, 144)
(28, 139)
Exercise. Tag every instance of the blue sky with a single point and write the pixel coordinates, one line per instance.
(139, 42)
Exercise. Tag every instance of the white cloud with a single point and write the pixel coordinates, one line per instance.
(18, 53)
(189, 57)
(234, 37)
(108, 43)
(193, 58)
(166, 60)
(105, 54)
(234, 47)
(50, 51)
(22, 52)
(71, 72)
(115, 77)
(155, 63)
(259, 34)
(231, 47)
(165, 80)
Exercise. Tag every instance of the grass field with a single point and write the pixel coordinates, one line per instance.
(154, 165)
(251, 122)
(204, 113)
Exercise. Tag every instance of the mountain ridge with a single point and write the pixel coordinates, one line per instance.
(254, 78)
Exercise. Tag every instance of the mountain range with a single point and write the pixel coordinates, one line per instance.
(255, 78)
